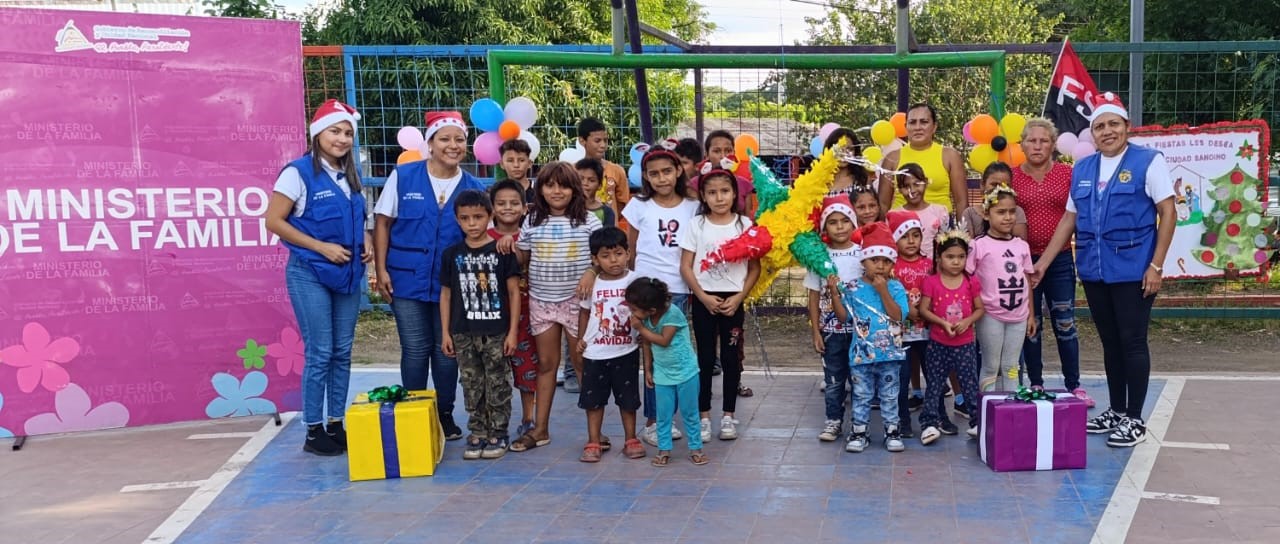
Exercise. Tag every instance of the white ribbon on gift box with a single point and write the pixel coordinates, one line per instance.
(1044, 431)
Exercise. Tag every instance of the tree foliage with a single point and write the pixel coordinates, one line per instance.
(252, 9)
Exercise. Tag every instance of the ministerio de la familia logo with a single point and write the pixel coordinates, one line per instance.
(122, 39)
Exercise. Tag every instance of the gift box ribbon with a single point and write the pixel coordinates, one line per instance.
(387, 426)
(1044, 430)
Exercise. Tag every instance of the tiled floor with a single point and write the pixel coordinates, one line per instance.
(775, 484)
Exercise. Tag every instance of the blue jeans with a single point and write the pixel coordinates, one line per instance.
(327, 323)
(835, 372)
(679, 300)
(870, 379)
(687, 396)
(1057, 290)
(420, 357)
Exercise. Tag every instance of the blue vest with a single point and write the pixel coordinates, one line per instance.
(1115, 229)
(421, 232)
(329, 216)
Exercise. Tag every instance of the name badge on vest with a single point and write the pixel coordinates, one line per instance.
(323, 194)
(1125, 176)
(1086, 183)
(414, 196)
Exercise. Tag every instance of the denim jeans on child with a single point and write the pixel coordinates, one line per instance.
(327, 321)
(872, 378)
(420, 357)
(835, 372)
(1057, 290)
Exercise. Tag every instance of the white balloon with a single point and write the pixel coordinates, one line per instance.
(424, 149)
(534, 145)
(523, 111)
(1086, 135)
(573, 155)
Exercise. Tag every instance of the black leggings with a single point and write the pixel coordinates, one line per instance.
(1122, 315)
(709, 328)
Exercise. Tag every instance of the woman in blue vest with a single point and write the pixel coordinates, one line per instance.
(1122, 214)
(318, 210)
(415, 224)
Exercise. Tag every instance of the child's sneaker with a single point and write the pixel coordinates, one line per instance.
(1082, 395)
(675, 433)
(893, 439)
(706, 430)
(929, 434)
(905, 431)
(525, 427)
(915, 403)
(1104, 423)
(1131, 432)
(495, 448)
(560, 375)
(962, 409)
(830, 431)
(728, 428)
(650, 434)
(474, 449)
(571, 384)
(948, 428)
(972, 432)
(858, 440)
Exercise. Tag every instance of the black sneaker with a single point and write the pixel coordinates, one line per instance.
(948, 428)
(451, 430)
(474, 449)
(1131, 432)
(962, 410)
(715, 368)
(320, 443)
(906, 431)
(915, 403)
(1105, 422)
(337, 432)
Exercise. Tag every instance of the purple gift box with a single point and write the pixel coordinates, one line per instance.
(1032, 435)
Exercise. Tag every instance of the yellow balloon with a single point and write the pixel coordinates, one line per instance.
(1012, 126)
(874, 155)
(982, 156)
(882, 132)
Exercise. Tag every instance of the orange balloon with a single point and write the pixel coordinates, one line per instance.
(983, 128)
(899, 122)
(509, 130)
(743, 144)
(1013, 155)
(408, 156)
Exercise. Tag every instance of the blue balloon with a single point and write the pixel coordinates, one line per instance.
(486, 114)
(633, 175)
(637, 151)
(815, 146)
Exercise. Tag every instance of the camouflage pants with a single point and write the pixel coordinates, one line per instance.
(485, 375)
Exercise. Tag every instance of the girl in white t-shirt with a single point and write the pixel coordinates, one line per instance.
(718, 293)
(656, 219)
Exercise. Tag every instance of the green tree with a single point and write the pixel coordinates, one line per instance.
(253, 9)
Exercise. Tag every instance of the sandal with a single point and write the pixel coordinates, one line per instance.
(744, 391)
(527, 442)
(590, 453)
(661, 459)
(633, 449)
(698, 457)
(605, 444)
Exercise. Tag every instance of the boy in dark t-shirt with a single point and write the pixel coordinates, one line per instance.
(480, 292)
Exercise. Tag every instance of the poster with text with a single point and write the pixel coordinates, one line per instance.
(138, 282)
(1219, 176)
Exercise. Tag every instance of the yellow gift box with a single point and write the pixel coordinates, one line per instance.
(394, 440)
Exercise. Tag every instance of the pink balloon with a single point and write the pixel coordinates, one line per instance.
(409, 138)
(486, 148)
(1067, 142)
(1082, 150)
(1086, 135)
(968, 137)
(827, 129)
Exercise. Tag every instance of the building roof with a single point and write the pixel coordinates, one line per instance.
(776, 136)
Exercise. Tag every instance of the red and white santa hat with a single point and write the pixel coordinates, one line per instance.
(1108, 102)
(902, 221)
(437, 120)
(331, 113)
(876, 241)
(832, 205)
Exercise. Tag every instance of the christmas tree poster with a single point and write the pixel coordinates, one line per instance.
(1218, 172)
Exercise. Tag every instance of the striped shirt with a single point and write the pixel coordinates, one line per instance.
(559, 255)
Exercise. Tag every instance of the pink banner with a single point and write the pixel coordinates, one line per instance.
(138, 282)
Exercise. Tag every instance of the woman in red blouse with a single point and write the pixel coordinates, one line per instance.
(1042, 186)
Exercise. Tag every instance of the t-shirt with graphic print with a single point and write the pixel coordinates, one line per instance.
(658, 232)
(951, 305)
(1001, 266)
(912, 275)
(608, 333)
(477, 280)
(848, 268)
(876, 338)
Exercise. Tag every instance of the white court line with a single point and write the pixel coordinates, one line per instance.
(818, 372)
(1115, 522)
(161, 486)
(181, 518)
(1196, 445)
(212, 436)
(1178, 497)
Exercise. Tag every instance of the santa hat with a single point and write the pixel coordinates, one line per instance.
(902, 221)
(831, 205)
(876, 241)
(331, 113)
(437, 120)
(1108, 103)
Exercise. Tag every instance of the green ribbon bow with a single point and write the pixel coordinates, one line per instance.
(388, 393)
(1025, 394)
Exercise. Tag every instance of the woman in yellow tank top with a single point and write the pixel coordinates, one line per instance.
(942, 165)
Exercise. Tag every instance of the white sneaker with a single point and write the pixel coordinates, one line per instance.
(675, 433)
(560, 375)
(929, 434)
(858, 439)
(650, 434)
(728, 428)
(830, 431)
(706, 430)
(973, 432)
